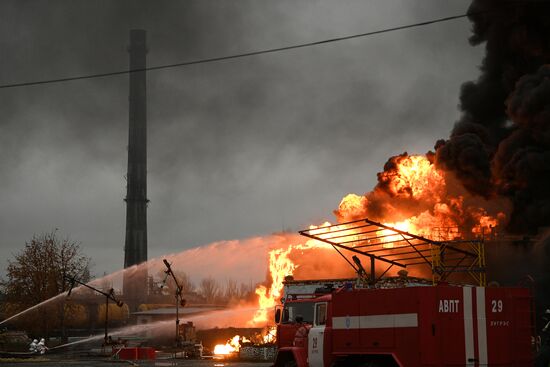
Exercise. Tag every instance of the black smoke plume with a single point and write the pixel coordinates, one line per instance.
(498, 154)
(500, 147)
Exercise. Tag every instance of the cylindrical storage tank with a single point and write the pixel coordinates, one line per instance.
(76, 315)
(115, 313)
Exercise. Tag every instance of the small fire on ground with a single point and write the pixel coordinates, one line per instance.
(234, 344)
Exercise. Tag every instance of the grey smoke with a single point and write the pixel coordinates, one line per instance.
(236, 149)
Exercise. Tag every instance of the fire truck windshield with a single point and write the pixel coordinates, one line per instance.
(293, 309)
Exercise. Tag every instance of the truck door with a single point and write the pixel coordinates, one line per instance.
(316, 336)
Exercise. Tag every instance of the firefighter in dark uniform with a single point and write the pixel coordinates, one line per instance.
(543, 357)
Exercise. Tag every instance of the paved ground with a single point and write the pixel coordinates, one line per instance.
(89, 362)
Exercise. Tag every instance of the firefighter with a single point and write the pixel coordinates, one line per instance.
(543, 357)
(300, 338)
(33, 346)
(41, 347)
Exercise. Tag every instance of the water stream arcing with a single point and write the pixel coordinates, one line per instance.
(234, 317)
(243, 261)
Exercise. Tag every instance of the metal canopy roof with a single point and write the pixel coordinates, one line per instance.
(394, 247)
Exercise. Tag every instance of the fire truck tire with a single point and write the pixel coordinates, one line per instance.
(290, 363)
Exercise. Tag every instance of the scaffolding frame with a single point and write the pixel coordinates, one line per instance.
(393, 247)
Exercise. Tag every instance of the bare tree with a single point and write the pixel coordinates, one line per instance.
(186, 284)
(37, 274)
(184, 280)
(231, 293)
(247, 291)
(209, 289)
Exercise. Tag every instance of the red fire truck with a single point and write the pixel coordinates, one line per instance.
(439, 325)
(401, 320)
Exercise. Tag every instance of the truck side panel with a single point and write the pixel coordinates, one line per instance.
(507, 326)
(389, 323)
(523, 327)
(435, 326)
(429, 332)
(382, 321)
(345, 323)
(451, 315)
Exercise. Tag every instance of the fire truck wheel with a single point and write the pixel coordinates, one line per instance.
(290, 363)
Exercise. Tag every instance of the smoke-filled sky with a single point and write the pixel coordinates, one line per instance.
(237, 148)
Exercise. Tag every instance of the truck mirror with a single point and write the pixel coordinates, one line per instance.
(277, 315)
(286, 315)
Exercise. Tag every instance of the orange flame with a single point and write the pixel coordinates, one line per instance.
(270, 335)
(280, 266)
(233, 345)
(414, 197)
(416, 177)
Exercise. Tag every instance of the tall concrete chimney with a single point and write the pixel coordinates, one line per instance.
(135, 248)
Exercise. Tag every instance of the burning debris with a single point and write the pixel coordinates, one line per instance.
(232, 346)
(252, 346)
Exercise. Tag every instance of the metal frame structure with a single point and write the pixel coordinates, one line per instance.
(394, 247)
(178, 295)
(108, 296)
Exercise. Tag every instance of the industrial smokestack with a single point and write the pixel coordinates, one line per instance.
(135, 248)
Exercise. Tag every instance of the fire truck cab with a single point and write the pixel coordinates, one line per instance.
(410, 325)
